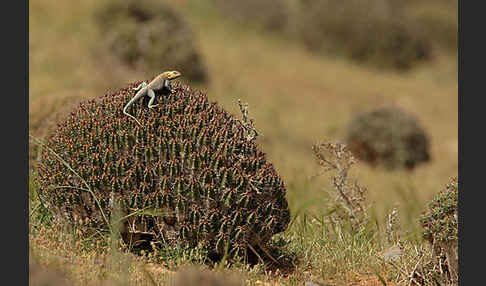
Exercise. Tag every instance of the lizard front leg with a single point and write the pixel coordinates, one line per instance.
(167, 86)
(151, 94)
(140, 86)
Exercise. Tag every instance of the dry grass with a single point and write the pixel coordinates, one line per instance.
(303, 99)
(296, 99)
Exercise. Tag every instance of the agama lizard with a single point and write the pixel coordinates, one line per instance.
(158, 83)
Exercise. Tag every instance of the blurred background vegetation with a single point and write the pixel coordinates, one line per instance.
(306, 68)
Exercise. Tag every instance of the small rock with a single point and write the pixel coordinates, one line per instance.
(311, 284)
(392, 252)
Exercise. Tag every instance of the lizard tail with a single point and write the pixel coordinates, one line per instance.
(126, 113)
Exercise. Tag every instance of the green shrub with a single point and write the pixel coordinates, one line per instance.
(189, 176)
(440, 221)
(151, 35)
(440, 225)
(390, 137)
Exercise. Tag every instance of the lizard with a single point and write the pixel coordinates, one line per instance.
(158, 83)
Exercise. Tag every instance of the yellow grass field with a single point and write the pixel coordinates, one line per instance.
(296, 99)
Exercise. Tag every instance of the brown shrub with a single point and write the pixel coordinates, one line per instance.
(393, 34)
(371, 32)
(438, 20)
(390, 137)
(150, 34)
(268, 15)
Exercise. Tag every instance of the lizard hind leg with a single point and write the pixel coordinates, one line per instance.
(151, 94)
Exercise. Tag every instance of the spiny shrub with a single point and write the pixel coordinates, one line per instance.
(151, 35)
(390, 137)
(440, 225)
(190, 175)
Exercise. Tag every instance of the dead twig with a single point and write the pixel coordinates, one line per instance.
(248, 124)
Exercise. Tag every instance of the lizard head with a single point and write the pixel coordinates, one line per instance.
(171, 75)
